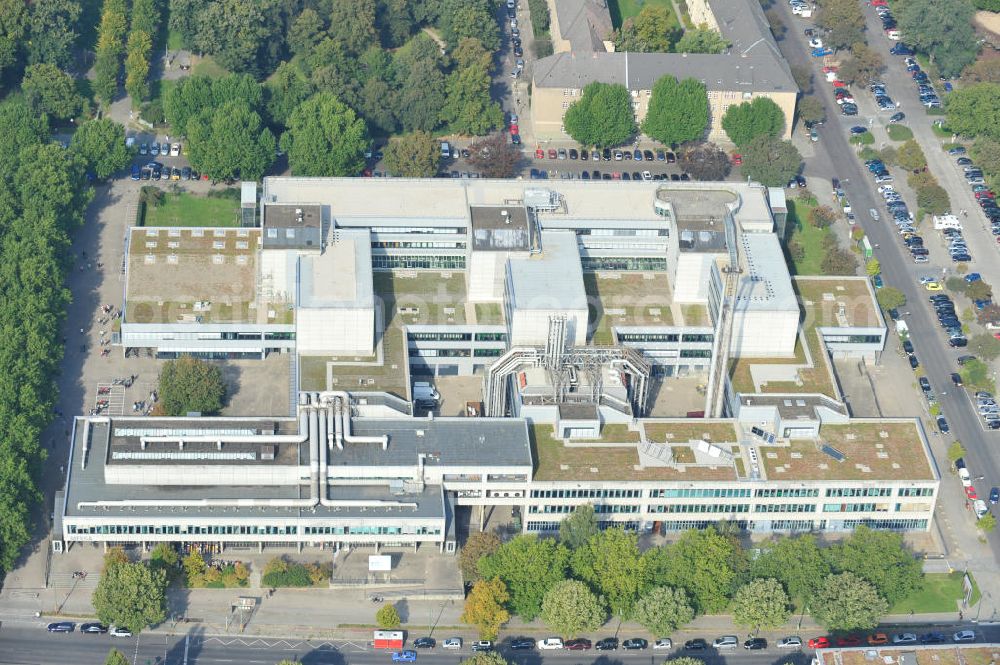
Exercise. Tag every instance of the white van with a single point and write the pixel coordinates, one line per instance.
(445, 150)
(980, 507)
(726, 642)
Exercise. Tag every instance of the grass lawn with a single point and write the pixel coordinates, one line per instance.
(623, 9)
(810, 237)
(209, 67)
(899, 132)
(862, 139)
(185, 209)
(940, 593)
(174, 40)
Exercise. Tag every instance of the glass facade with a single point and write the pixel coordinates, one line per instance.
(635, 263)
(418, 262)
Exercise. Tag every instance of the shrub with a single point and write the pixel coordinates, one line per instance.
(899, 132)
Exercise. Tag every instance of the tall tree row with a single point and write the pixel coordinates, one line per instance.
(43, 195)
(145, 23)
(110, 47)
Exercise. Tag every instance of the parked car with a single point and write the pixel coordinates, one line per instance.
(607, 644)
(408, 656)
(878, 639)
(819, 643)
(93, 628)
(482, 645)
(697, 644)
(904, 638)
(792, 642)
(550, 643)
(635, 644)
(663, 643)
(452, 643)
(579, 644)
(425, 643)
(964, 636)
(61, 627)
(726, 642)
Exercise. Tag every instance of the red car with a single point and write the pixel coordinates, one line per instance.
(819, 643)
(577, 645)
(830, 68)
(837, 83)
(970, 491)
(514, 129)
(985, 194)
(539, 154)
(879, 3)
(849, 641)
(737, 159)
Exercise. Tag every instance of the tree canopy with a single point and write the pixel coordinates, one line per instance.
(484, 607)
(701, 40)
(131, 595)
(576, 530)
(880, 558)
(705, 563)
(191, 385)
(653, 30)
(975, 110)
(570, 608)
(770, 161)
(942, 29)
(758, 117)
(661, 610)
(529, 566)
(844, 22)
(52, 32)
(602, 117)
(611, 564)
(476, 546)
(414, 155)
(325, 138)
(468, 108)
(705, 161)
(846, 602)
(52, 91)
(101, 144)
(761, 604)
(797, 562)
(387, 616)
(494, 156)
(678, 112)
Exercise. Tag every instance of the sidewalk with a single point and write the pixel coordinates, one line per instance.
(340, 614)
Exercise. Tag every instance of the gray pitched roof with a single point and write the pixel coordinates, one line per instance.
(761, 71)
(585, 24)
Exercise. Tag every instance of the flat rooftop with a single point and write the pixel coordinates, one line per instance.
(551, 280)
(765, 283)
(950, 654)
(838, 302)
(293, 216)
(871, 450)
(405, 298)
(500, 228)
(340, 277)
(449, 201)
(87, 484)
(196, 275)
(558, 461)
(627, 300)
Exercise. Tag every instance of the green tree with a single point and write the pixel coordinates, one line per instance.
(942, 29)
(846, 602)
(494, 156)
(976, 375)
(662, 610)
(611, 564)
(822, 217)
(421, 96)
(678, 112)
(285, 90)
(762, 604)
(387, 616)
(705, 563)
(844, 22)
(471, 53)
(985, 346)
(986, 152)
(576, 530)
(306, 31)
(50, 90)
(770, 161)
(352, 24)
(231, 142)
(540, 18)
(956, 451)
(13, 27)
(797, 562)
(484, 607)
(469, 18)
(910, 156)
(758, 117)
(468, 109)
(975, 110)
(110, 45)
(413, 155)
(485, 658)
(101, 144)
(811, 110)
(706, 161)
(188, 384)
(140, 45)
(529, 567)
(477, 545)
(873, 267)
(701, 40)
(51, 32)
(131, 595)
(164, 557)
(242, 35)
(863, 66)
(602, 116)
(933, 199)
(325, 138)
(987, 523)
(570, 608)
(652, 30)
(838, 261)
(890, 298)
(881, 558)
(116, 657)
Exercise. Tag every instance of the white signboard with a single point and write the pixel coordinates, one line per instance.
(379, 563)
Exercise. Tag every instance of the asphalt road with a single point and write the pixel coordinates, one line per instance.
(835, 157)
